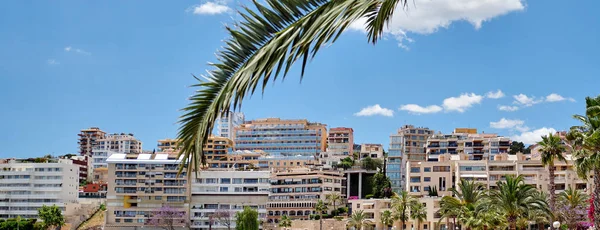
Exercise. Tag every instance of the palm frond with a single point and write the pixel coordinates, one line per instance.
(265, 44)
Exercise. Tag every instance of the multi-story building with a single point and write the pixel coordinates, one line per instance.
(114, 143)
(477, 146)
(25, 186)
(408, 144)
(85, 166)
(88, 140)
(168, 145)
(281, 163)
(227, 122)
(340, 141)
(371, 150)
(295, 192)
(282, 137)
(139, 185)
(373, 209)
(424, 177)
(216, 196)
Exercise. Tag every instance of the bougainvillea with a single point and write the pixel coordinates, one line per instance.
(591, 209)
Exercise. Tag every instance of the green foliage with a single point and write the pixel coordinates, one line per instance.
(381, 185)
(338, 218)
(346, 163)
(517, 146)
(387, 218)
(514, 199)
(285, 222)
(371, 164)
(10, 224)
(103, 207)
(247, 219)
(358, 219)
(433, 192)
(401, 204)
(51, 216)
(342, 210)
(369, 196)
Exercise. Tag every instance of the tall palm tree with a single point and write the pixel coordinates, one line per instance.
(320, 207)
(552, 149)
(514, 198)
(333, 198)
(269, 39)
(387, 219)
(401, 205)
(585, 141)
(418, 213)
(572, 205)
(463, 202)
(358, 220)
(540, 216)
(285, 222)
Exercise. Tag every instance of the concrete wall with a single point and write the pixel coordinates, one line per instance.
(328, 224)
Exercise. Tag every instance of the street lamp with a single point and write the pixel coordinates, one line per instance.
(556, 224)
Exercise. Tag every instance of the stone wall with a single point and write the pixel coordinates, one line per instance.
(328, 224)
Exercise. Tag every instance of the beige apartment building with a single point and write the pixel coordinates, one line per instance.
(139, 185)
(114, 143)
(407, 144)
(295, 192)
(280, 163)
(340, 141)
(374, 208)
(281, 137)
(481, 146)
(371, 150)
(88, 140)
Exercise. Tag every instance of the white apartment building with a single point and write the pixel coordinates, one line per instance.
(227, 122)
(218, 195)
(407, 144)
(26, 186)
(114, 143)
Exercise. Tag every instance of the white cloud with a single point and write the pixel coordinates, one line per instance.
(427, 16)
(210, 8)
(495, 95)
(417, 109)
(375, 110)
(508, 108)
(462, 102)
(506, 124)
(525, 100)
(533, 136)
(553, 97)
(52, 62)
(79, 51)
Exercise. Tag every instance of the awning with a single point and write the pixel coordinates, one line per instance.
(474, 175)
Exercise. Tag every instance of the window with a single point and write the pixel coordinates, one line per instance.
(211, 180)
(237, 180)
(427, 169)
(427, 179)
(225, 181)
(158, 198)
(415, 169)
(224, 189)
(415, 179)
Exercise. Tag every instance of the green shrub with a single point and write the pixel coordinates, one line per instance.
(342, 210)
(338, 218)
(369, 196)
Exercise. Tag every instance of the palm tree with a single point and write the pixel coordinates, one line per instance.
(418, 213)
(358, 220)
(572, 205)
(540, 216)
(271, 37)
(585, 141)
(463, 203)
(333, 198)
(514, 198)
(285, 222)
(552, 148)
(320, 207)
(387, 219)
(401, 204)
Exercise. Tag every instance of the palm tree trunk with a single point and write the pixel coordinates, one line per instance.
(321, 221)
(512, 223)
(402, 224)
(552, 193)
(540, 226)
(596, 198)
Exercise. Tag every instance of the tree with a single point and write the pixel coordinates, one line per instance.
(418, 213)
(247, 219)
(401, 205)
(552, 148)
(571, 207)
(269, 40)
(463, 203)
(381, 185)
(51, 216)
(387, 219)
(585, 141)
(358, 220)
(285, 222)
(168, 218)
(320, 207)
(346, 163)
(333, 198)
(371, 164)
(514, 198)
(516, 147)
(224, 218)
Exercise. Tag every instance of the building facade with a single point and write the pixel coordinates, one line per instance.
(227, 122)
(294, 193)
(139, 185)
(88, 140)
(340, 141)
(407, 144)
(371, 150)
(26, 186)
(476, 146)
(114, 143)
(282, 137)
(216, 196)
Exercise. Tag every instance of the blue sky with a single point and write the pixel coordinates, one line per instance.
(125, 66)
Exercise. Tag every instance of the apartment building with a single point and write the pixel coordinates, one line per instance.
(407, 144)
(340, 141)
(282, 163)
(88, 140)
(25, 186)
(216, 150)
(371, 150)
(282, 137)
(114, 143)
(374, 208)
(481, 146)
(227, 122)
(295, 192)
(217, 195)
(139, 185)
(168, 145)
(424, 177)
